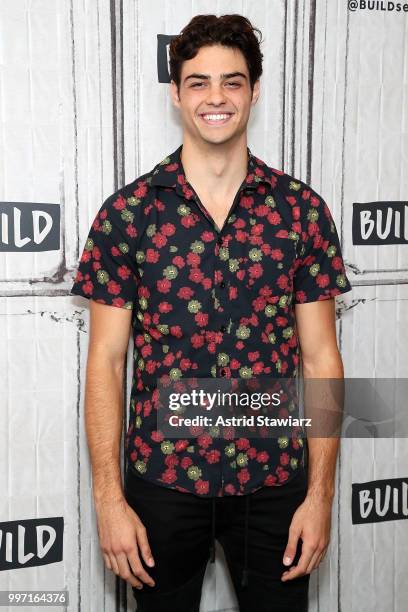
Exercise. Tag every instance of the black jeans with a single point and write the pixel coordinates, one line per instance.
(179, 532)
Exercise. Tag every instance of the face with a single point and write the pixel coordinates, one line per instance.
(215, 96)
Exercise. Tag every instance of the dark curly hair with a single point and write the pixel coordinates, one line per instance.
(228, 30)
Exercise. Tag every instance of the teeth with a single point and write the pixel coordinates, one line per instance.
(215, 117)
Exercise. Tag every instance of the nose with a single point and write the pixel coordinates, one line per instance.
(215, 95)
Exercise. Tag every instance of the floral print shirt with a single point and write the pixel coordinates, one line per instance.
(211, 302)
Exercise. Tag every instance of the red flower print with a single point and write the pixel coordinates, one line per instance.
(202, 486)
(185, 293)
(159, 240)
(169, 476)
(163, 285)
(152, 256)
(131, 231)
(213, 456)
(242, 444)
(337, 263)
(296, 212)
(119, 302)
(282, 474)
(176, 331)
(196, 275)
(193, 259)
(145, 449)
(282, 281)
(124, 272)
(204, 440)
(201, 319)
(141, 190)
(113, 287)
(284, 458)
(277, 254)
(181, 445)
(256, 270)
(262, 457)
(165, 307)
(168, 229)
(171, 460)
(120, 203)
(274, 218)
(207, 236)
(186, 462)
(88, 288)
(262, 210)
(270, 480)
(243, 476)
(323, 280)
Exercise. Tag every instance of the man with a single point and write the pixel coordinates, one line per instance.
(224, 267)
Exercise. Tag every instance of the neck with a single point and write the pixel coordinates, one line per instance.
(214, 168)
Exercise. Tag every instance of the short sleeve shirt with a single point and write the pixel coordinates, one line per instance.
(211, 302)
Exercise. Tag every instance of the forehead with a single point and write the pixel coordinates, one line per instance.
(215, 60)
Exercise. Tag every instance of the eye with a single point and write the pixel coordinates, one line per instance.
(197, 85)
(233, 83)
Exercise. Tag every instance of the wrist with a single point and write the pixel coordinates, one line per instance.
(321, 492)
(104, 500)
(104, 493)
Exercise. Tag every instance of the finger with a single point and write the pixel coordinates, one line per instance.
(300, 568)
(124, 571)
(138, 569)
(313, 561)
(143, 544)
(107, 561)
(114, 565)
(320, 558)
(291, 547)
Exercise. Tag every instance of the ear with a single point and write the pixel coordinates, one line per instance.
(174, 94)
(255, 92)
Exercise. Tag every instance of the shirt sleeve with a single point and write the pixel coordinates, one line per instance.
(320, 271)
(107, 271)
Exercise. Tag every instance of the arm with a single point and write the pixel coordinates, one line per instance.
(321, 359)
(119, 527)
(109, 337)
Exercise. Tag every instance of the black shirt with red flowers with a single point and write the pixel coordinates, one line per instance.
(211, 302)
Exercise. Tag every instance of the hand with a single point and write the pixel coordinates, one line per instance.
(122, 536)
(311, 522)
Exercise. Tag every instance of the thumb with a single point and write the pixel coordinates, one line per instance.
(291, 547)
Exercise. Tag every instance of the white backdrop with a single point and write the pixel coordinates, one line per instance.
(82, 113)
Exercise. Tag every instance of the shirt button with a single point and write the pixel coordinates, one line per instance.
(222, 284)
(223, 328)
(223, 372)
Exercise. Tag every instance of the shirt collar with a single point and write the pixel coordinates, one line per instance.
(170, 173)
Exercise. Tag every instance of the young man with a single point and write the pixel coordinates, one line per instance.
(224, 267)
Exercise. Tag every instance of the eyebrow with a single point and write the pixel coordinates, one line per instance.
(228, 75)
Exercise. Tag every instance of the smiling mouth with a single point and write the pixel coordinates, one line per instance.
(216, 118)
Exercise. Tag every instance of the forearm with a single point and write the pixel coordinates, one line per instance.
(323, 451)
(103, 419)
